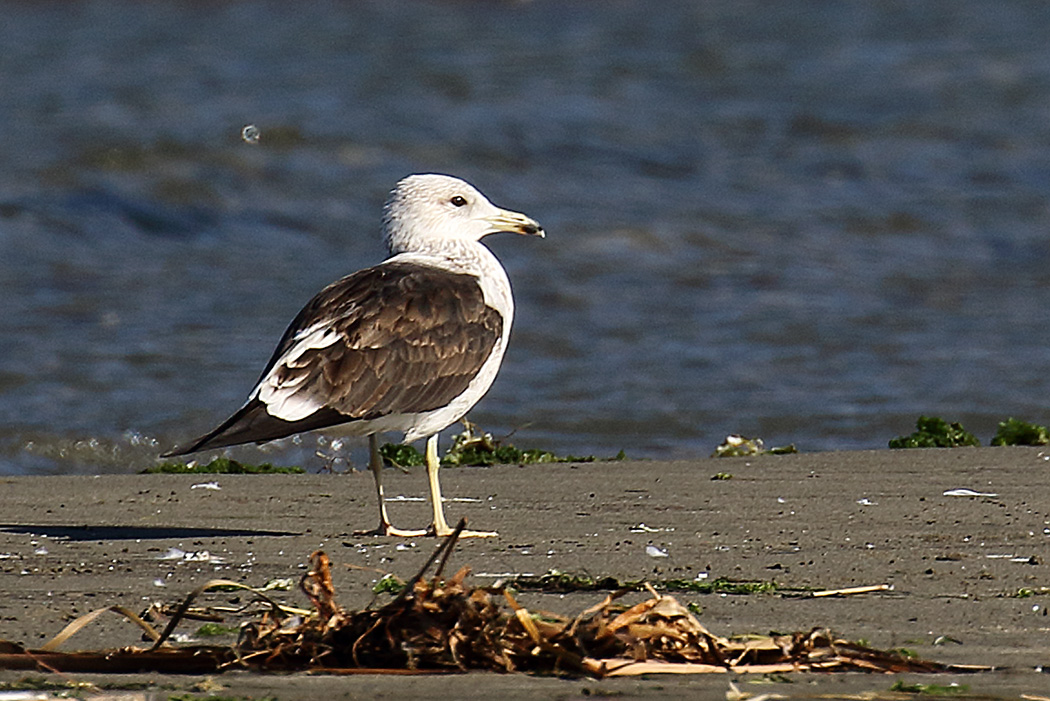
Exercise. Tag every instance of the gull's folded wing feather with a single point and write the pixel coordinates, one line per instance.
(397, 338)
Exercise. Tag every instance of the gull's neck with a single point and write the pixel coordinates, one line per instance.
(457, 255)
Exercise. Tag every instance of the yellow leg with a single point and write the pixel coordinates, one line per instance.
(375, 464)
(440, 527)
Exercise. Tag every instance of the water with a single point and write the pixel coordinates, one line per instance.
(805, 221)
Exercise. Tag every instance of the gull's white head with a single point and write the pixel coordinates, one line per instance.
(424, 210)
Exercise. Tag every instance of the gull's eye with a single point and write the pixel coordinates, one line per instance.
(459, 201)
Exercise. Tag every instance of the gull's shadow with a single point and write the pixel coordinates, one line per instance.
(134, 532)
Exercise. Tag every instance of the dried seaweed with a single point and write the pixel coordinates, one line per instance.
(221, 465)
(558, 581)
(1016, 432)
(437, 624)
(445, 625)
(935, 432)
(475, 447)
(736, 446)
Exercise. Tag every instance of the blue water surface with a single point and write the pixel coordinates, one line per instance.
(806, 221)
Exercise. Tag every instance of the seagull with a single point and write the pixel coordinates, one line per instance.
(408, 345)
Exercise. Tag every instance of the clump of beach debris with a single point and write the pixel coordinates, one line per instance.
(737, 446)
(440, 623)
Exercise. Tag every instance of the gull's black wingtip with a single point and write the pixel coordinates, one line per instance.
(174, 452)
(252, 424)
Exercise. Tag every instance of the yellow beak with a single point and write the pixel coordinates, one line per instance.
(514, 222)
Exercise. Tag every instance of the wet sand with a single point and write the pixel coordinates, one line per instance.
(69, 545)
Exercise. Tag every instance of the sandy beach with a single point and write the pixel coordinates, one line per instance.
(966, 567)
